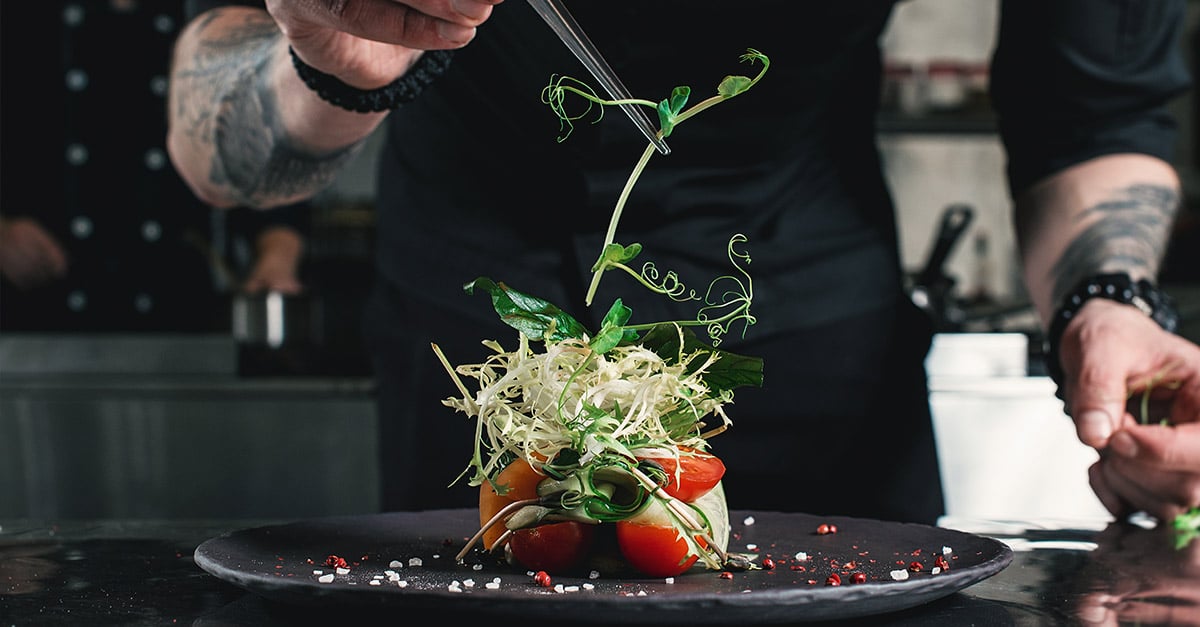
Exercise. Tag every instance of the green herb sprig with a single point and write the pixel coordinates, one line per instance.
(672, 112)
(1185, 526)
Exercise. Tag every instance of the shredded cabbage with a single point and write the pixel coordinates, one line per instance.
(534, 404)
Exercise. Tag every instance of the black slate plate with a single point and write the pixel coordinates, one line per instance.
(278, 562)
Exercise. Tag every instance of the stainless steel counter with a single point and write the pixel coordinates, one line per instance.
(163, 428)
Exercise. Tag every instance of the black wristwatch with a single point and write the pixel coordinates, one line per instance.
(1118, 287)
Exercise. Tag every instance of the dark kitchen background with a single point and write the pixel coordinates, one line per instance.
(141, 384)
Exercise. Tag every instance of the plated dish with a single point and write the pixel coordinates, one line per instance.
(406, 560)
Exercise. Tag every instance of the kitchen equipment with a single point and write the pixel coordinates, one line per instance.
(564, 25)
(931, 289)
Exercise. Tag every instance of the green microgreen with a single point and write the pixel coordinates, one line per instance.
(1186, 526)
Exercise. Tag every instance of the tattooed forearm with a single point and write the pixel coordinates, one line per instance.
(226, 102)
(254, 155)
(1129, 234)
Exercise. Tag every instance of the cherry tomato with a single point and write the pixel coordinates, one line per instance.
(553, 547)
(654, 550)
(699, 472)
(521, 480)
(651, 543)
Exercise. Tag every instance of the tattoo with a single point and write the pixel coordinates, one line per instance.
(253, 157)
(1129, 236)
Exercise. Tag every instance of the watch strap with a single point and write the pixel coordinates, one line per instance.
(1117, 287)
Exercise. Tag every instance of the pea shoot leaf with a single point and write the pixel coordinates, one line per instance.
(733, 85)
(615, 253)
(671, 107)
(612, 331)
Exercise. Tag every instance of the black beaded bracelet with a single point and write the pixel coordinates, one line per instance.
(1117, 287)
(432, 64)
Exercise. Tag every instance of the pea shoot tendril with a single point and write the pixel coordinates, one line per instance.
(672, 111)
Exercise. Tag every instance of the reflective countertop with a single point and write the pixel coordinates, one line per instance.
(139, 572)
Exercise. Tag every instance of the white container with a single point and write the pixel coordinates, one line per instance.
(978, 355)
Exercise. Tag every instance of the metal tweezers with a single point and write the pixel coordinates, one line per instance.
(568, 30)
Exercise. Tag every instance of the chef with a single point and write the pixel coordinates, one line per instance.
(269, 101)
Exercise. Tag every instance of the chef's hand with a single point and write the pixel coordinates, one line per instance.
(1115, 358)
(277, 263)
(370, 43)
(29, 255)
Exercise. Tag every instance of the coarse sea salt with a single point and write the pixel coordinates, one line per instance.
(343, 571)
(395, 564)
(325, 579)
(899, 574)
(802, 556)
(749, 520)
(947, 550)
(415, 561)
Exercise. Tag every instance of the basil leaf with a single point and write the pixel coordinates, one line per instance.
(536, 318)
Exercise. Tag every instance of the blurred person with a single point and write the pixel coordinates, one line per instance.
(279, 251)
(30, 256)
(113, 240)
(267, 248)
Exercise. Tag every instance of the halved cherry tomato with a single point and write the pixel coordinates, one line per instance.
(521, 480)
(654, 550)
(699, 472)
(650, 543)
(553, 547)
